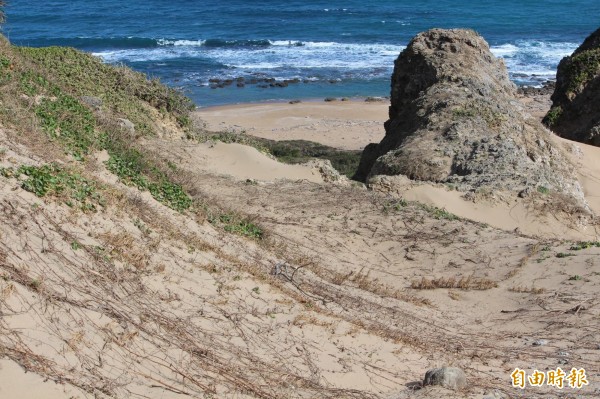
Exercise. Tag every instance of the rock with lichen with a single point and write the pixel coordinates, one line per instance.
(454, 119)
(575, 112)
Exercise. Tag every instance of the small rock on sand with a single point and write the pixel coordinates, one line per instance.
(448, 377)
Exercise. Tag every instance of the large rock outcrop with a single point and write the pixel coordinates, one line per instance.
(575, 112)
(454, 118)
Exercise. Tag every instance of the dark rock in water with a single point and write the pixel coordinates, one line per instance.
(447, 377)
(240, 84)
(375, 99)
(454, 118)
(529, 91)
(575, 112)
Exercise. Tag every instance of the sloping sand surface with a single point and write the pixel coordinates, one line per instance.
(238, 161)
(351, 294)
(16, 383)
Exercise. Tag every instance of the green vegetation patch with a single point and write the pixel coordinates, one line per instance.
(243, 227)
(300, 151)
(438, 213)
(234, 223)
(585, 245)
(563, 255)
(52, 83)
(5, 69)
(581, 68)
(543, 190)
(64, 118)
(552, 117)
(135, 169)
(473, 110)
(55, 181)
(123, 92)
(395, 206)
(464, 112)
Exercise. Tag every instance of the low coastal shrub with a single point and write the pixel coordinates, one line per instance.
(543, 190)
(234, 223)
(300, 151)
(124, 92)
(53, 180)
(552, 116)
(585, 245)
(53, 83)
(581, 68)
(64, 118)
(134, 168)
(438, 213)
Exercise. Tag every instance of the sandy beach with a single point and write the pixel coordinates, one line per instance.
(348, 125)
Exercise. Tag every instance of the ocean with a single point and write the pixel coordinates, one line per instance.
(233, 51)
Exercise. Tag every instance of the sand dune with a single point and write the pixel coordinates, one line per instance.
(374, 291)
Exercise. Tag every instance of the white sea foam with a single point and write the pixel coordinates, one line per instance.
(504, 50)
(535, 59)
(189, 43)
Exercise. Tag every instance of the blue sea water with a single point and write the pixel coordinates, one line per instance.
(322, 48)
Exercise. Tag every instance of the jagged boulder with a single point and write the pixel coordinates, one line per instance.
(575, 112)
(454, 118)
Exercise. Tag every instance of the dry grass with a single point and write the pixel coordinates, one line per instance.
(455, 296)
(125, 248)
(303, 319)
(530, 290)
(463, 283)
(532, 251)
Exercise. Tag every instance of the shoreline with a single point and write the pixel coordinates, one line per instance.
(357, 99)
(344, 123)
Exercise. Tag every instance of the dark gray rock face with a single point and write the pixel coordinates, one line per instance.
(454, 118)
(575, 112)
